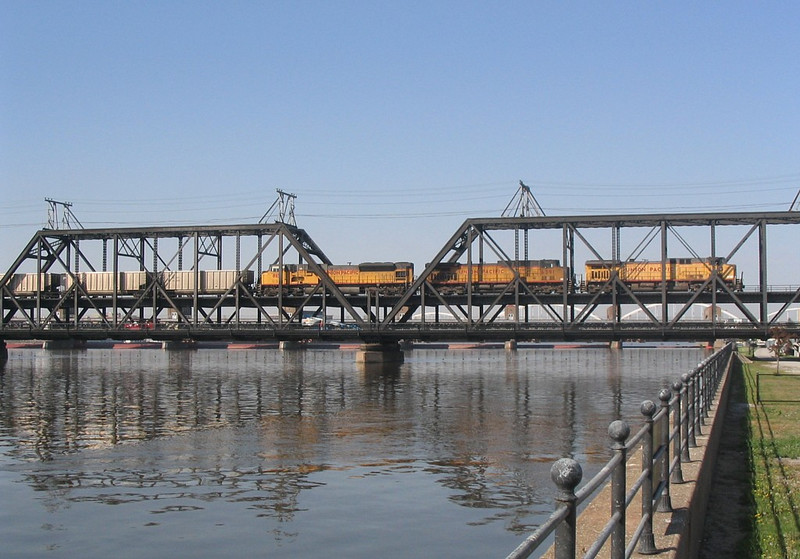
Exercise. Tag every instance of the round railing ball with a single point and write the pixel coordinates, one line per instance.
(566, 473)
(619, 431)
(648, 408)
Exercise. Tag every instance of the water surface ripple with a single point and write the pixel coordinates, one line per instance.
(208, 453)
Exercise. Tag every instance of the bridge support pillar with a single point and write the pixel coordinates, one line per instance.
(511, 345)
(287, 345)
(171, 345)
(3, 351)
(616, 344)
(380, 353)
(64, 344)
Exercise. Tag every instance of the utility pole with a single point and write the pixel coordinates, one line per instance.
(523, 204)
(285, 206)
(67, 219)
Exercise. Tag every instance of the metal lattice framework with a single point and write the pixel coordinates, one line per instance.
(238, 309)
(478, 240)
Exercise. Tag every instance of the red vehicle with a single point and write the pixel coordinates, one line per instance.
(141, 325)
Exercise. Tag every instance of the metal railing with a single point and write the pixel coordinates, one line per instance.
(669, 430)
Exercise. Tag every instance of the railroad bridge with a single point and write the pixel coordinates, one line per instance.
(207, 283)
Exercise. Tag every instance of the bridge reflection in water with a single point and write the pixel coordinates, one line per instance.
(302, 453)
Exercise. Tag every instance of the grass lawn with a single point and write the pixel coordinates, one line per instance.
(774, 453)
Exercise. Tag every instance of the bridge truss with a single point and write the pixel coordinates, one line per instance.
(201, 282)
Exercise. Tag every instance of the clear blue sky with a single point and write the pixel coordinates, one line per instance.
(392, 122)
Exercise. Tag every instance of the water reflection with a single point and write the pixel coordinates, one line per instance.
(262, 434)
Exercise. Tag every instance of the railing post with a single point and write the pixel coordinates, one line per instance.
(680, 429)
(665, 503)
(647, 542)
(702, 389)
(566, 473)
(689, 411)
(711, 384)
(697, 377)
(697, 412)
(618, 431)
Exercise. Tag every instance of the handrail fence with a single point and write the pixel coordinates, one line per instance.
(664, 447)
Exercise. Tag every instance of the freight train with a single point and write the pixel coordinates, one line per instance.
(541, 276)
(387, 278)
(679, 274)
(394, 278)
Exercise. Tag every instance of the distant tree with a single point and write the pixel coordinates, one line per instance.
(782, 346)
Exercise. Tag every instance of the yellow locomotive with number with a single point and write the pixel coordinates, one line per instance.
(541, 276)
(687, 274)
(387, 278)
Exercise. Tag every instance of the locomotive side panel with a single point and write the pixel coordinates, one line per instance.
(683, 273)
(388, 277)
(540, 276)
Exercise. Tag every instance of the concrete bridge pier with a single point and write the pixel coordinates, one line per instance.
(174, 345)
(3, 351)
(384, 352)
(288, 345)
(511, 345)
(616, 344)
(64, 344)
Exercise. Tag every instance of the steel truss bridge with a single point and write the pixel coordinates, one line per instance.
(238, 310)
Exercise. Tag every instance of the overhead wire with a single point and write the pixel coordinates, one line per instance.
(407, 206)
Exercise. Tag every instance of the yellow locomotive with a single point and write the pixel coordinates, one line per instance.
(541, 276)
(388, 278)
(641, 275)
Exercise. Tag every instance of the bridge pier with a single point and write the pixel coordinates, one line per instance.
(615, 344)
(389, 352)
(3, 351)
(288, 345)
(511, 345)
(64, 344)
(171, 345)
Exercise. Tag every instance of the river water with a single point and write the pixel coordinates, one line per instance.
(263, 453)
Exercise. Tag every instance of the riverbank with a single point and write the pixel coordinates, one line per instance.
(755, 503)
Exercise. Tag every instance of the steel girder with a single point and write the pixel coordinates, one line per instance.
(568, 314)
(67, 252)
(571, 312)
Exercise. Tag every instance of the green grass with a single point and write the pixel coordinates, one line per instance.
(774, 455)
